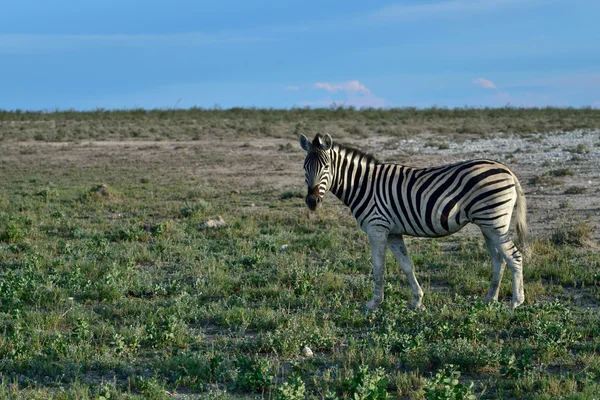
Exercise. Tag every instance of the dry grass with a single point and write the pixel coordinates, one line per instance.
(573, 233)
(197, 123)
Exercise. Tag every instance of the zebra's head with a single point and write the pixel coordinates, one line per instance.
(317, 167)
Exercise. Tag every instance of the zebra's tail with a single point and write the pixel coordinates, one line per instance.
(521, 218)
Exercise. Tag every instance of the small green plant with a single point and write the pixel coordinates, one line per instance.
(107, 391)
(48, 193)
(81, 332)
(368, 385)
(165, 333)
(515, 367)
(293, 389)
(254, 376)
(12, 233)
(118, 344)
(199, 207)
(445, 385)
(564, 205)
(151, 388)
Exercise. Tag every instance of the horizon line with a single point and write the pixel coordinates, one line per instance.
(332, 107)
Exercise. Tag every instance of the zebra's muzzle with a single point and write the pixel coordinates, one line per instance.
(312, 199)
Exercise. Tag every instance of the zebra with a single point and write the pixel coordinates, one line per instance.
(391, 200)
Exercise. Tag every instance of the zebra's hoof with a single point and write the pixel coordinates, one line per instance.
(418, 307)
(516, 303)
(490, 299)
(372, 305)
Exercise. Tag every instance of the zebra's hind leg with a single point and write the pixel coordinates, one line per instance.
(377, 241)
(398, 248)
(498, 265)
(509, 252)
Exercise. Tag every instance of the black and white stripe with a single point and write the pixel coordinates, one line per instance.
(391, 200)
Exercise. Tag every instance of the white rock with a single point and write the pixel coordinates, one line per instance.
(218, 222)
(283, 247)
(307, 352)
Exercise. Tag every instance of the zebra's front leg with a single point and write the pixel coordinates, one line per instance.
(399, 250)
(377, 241)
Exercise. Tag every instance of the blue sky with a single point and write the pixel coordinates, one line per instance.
(158, 54)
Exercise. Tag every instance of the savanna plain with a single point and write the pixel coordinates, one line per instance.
(114, 283)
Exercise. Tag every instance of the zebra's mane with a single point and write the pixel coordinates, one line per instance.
(366, 156)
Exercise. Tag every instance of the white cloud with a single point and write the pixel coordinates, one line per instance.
(292, 88)
(484, 83)
(39, 43)
(350, 86)
(357, 95)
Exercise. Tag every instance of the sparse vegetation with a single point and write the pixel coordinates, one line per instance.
(112, 287)
(197, 123)
(579, 149)
(575, 190)
(545, 180)
(561, 172)
(573, 233)
(550, 178)
(564, 204)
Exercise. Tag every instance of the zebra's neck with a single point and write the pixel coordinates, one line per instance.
(353, 172)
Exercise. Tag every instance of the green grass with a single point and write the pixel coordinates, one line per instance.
(110, 287)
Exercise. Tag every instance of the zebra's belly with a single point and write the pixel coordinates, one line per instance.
(411, 223)
(426, 227)
(399, 230)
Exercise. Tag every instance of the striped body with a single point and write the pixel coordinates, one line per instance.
(391, 200)
(424, 202)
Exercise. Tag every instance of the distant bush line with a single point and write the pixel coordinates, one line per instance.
(195, 123)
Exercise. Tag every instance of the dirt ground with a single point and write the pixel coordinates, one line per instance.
(246, 163)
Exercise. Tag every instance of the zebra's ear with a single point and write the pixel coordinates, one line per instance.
(327, 142)
(305, 143)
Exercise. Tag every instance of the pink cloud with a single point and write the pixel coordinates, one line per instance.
(350, 86)
(358, 95)
(484, 83)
